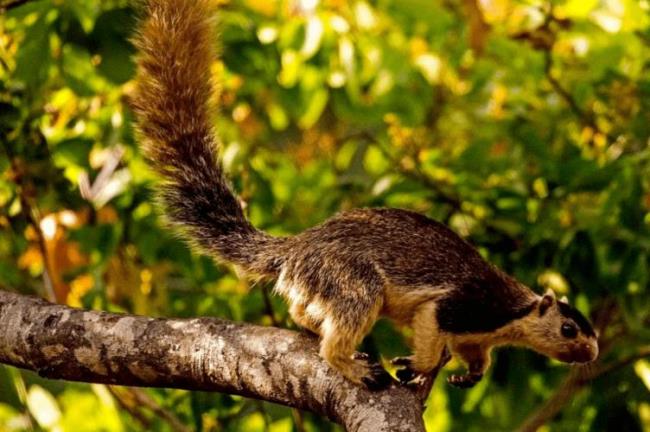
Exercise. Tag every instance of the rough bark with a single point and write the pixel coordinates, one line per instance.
(206, 354)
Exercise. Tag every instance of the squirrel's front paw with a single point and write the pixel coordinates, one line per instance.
(406, 374)
(464, 381)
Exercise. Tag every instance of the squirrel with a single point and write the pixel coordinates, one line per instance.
(339, 277)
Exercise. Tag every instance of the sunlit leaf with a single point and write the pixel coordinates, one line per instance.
(43, 407)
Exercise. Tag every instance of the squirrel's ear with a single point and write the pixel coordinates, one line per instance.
(549, 292)
(564, 299)
(545, 303)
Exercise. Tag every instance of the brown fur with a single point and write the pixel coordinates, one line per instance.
(175, 106)
(338, 277)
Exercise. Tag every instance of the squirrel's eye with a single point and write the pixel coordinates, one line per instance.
(569, 330)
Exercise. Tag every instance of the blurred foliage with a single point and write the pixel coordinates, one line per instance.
(523, 125)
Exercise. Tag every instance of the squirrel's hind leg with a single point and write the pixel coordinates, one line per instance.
(338, 344)
(299, 315)
(352, 308)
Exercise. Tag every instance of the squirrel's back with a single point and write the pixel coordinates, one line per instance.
(413, 258)
(409, 248)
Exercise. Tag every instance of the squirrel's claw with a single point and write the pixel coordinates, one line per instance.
(464, 381)
(401, 361)
(361, 356)
(405, 373)
(377, 378)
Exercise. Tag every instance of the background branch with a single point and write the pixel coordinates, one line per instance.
(205, 354)
(128, 404)
(578, 378)
(32, 214)
(6, 5)
(134, 400)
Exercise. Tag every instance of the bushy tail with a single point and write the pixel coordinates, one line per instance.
(174, 105)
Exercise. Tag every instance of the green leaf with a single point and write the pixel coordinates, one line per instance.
(111, 36)
(315, 106)
(34, 58)
(72, 152)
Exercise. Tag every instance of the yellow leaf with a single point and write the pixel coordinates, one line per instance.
(265, 7)
(553, 280)
(495, 10)
(31, 259)
(642, 369)
(291, 68)
(429, 66)
(78, 288)
(576, 8)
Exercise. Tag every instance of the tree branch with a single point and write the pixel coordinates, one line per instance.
(205, 354)
(5, 6)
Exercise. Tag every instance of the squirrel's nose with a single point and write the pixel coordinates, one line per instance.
(586, 352)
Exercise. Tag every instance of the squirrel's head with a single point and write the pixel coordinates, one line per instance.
(558, 330)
